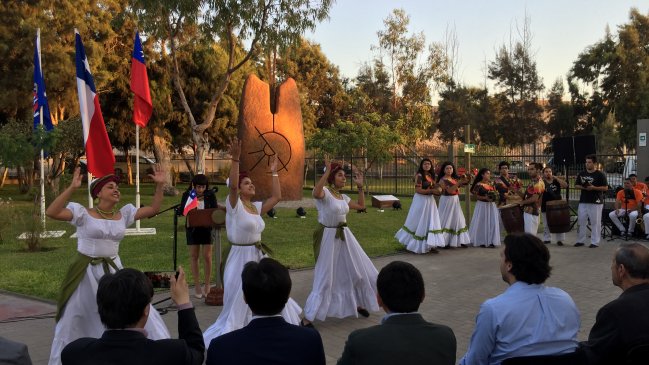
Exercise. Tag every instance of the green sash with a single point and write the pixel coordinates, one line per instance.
(260, 246)
(317, 236)
(74, 276)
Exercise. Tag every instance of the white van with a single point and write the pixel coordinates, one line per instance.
(630, 166)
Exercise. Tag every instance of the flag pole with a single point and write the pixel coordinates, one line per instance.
(137, 173)
(40, 114)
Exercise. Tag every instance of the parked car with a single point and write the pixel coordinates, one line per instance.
(121, 167)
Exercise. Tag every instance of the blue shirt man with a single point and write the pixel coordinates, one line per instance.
(529, 318)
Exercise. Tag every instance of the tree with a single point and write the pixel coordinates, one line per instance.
(617, 71)
(267, 24)
(462, 105)
(321, 89)
(561, 119)
(514, 71)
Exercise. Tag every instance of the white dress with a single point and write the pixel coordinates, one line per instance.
(95, 238)
(453, 222)
(422, 230)
(344, 277)
(242, 228)
(485, 224)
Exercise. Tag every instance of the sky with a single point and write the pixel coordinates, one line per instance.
(560, 30)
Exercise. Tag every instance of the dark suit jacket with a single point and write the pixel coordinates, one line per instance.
(619, 326)
(267, 341)
(14, 353)
(131, 347)
(402, 339)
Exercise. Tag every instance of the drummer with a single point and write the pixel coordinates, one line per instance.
(531, 202)
(553, 186)
(504, 184)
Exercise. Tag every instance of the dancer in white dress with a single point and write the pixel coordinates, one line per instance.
(344, 282)
(422, 231)
(450, 212)
(99, 232)
(485, 224)
(244, 224)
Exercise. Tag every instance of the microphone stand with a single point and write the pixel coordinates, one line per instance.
(175, 249)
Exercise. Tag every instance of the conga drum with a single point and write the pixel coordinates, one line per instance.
(512, 216)
(558, 214)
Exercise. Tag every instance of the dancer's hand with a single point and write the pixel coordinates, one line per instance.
(358, 177)
(159, 174)
(327, 162)
(77, 178)
(273, 165)
(235, 148)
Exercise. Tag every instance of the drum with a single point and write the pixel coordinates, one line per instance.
(512, 216)
(558, 214)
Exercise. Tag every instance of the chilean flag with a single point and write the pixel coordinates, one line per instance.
(192, 202)
(40, 97)
(142, 106)
(99, 152)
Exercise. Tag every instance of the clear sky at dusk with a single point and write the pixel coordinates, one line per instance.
(560, 29)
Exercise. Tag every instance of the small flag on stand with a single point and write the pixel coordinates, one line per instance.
(192, 202)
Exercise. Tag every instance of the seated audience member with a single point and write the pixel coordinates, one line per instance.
(268, 338)
(529, 318)
(403, 337)
(628, 202)
(623, 323)
(14, 353)
(123, 300)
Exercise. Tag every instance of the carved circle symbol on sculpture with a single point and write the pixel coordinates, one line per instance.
(271, 144)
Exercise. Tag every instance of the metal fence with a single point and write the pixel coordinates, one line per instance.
(396, 176)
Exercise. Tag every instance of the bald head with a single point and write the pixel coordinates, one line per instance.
(635, 258)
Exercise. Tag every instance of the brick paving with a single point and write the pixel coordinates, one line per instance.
(457, 281)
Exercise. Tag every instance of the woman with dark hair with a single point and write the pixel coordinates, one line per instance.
(244, 225)
(450, 213)
(422, 231)
(99, 233)
(344, 282)
(199, 239)
(485, 225)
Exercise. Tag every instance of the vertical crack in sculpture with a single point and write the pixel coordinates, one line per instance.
(265, 135)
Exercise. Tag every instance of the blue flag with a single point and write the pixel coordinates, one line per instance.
(40, 97)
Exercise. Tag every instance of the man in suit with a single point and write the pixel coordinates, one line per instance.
(123, 300)
(550, 316)
(14, 353)
(268, 338)
(623, 323)
(403, 337)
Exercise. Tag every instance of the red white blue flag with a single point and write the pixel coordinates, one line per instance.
(142, 106)
(99, 152)
(192, 202)
(40, 97)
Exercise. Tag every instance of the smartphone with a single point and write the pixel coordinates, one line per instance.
(161, 279)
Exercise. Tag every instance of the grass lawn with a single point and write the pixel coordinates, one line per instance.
(40, 273)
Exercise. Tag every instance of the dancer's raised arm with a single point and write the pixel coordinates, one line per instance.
(233, 181)
(57, 209)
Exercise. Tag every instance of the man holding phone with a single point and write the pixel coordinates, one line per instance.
(592, 184)
(123, 300)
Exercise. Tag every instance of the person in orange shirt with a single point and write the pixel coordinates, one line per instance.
(642, 187)
(627, 202)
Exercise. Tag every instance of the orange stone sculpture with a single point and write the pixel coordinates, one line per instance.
(265, 135)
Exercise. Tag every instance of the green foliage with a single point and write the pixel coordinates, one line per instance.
(322, 95)
(360, 138)
(514, 71)
(617, 70)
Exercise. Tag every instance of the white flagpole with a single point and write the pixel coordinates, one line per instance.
(90, 202)
(40, 113)
(137, 173)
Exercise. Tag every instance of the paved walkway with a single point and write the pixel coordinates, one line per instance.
(457, 281)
